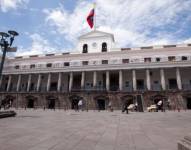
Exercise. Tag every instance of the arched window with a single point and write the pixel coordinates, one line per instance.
(104, 47)
(85, 48)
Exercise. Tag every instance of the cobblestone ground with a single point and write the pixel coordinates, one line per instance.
(60, 130)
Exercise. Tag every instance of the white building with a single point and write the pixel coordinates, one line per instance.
(100, 73)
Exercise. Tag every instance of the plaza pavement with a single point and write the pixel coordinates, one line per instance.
(69, 130)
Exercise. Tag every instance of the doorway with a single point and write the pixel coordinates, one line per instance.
(74, 99)
(189, 103)
(101, 104)
(114, 82)
(30, 103)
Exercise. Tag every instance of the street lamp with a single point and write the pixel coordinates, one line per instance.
(6, 41)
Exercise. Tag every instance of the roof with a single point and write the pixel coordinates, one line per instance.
(96, 33)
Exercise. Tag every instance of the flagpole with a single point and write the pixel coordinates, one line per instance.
(94, 16)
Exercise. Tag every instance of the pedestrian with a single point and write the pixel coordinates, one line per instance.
(80, 103)
(125, 108)
(159, 105)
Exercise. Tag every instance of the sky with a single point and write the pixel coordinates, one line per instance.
(53, 26)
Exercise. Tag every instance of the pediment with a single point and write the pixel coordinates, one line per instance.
(96, 34)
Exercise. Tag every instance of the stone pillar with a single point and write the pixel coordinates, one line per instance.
(9, 83)
(59, 81)
(18, 83)
(1, 79)
(83, 80)
(178, 78)
(134, 80)
(148, 79)
(120, 80)
(48, 82)
(38, 83)
(107, 81)
(71, 81)
(95, 79)
(163, 84)
(29, 82)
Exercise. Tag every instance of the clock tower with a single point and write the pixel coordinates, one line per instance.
(96, 41)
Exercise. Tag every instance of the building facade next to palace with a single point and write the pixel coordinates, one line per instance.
(100, 74)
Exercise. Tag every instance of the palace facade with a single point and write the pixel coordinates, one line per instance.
(99, 74)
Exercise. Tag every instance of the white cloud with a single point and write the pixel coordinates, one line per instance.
(7, 5)
(134, 23)
(39, 46)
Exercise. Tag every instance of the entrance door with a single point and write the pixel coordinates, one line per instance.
(77, 82)
(75, 104)
(114, 82)
(101, 104)
(51, 104)
(30, 103)
(188, 103)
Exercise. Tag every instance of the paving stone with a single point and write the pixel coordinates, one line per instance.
(69, 130)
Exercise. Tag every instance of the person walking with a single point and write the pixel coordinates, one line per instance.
(80, 104)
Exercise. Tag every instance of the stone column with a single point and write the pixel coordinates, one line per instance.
(1, 80)
(48, 82)
(120, 80)
(71, 81)
(163, 84)
(59, 81)
(18, 83)
(178, 78)
(95, 79)
(134, 80)
(9, 83)
(107, 81)
(83, 80)
(148, 79)
(38, 83)
(29, 82)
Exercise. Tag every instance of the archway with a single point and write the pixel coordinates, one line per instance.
(31, 100)
(101, 102)
(51, 102)
(74, 99)
(157, 98)
(7, 102)
(127, 100)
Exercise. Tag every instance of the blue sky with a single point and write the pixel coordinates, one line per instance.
(52, 26)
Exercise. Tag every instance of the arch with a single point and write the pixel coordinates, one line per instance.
(51, 101)
(85, 48)
(104, 47)
(127, 100)
(7, 102)
(158, 97)
(74, 99)
(31, 101)
(101, 102)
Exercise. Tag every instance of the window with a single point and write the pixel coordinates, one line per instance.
(66, 64)
(156, 82)
(84, 63)
(32, 66)
(158, 59)
(171, 58)
(17, 67)
(104, 61)
(127, 84)
(104, 47)
(184, 58)
(147, 60)
(48, 65)
(125, 61)
(85, 48)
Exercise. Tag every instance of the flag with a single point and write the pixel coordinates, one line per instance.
(90, 18)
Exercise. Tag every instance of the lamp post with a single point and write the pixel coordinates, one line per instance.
(6, 41)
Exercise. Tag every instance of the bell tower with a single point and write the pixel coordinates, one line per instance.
(96, 41)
